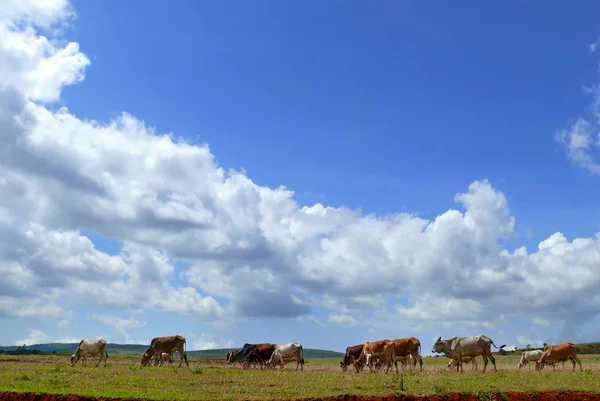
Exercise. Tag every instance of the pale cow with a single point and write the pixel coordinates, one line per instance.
(384, 350)
(558, 353)
(285, 353)
(528, 356)
(458, 347)
(466, 360)
(90, 347)
(168, 344)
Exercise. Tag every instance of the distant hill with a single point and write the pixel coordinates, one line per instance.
(137, 349)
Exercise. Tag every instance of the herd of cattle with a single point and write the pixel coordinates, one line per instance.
(375, 354)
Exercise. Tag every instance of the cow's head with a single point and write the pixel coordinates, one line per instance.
(345, 363)
(74, 359)
(145, 359)
(439, 345)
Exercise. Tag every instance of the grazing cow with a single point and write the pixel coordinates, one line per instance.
(352, 353)
(382, 349)
(251, 354)
(168, 344)
(458, 347)
(90, 347)
(466, 360)
(285, 353)
(558, 353)
(263, 354)
(409, 346)
(528, 356)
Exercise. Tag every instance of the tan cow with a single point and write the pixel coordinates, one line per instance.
(90, 347)
(458, 347)
(466, 360)
(382, 349)
(168, 344)
(409, 346)
(558, 353)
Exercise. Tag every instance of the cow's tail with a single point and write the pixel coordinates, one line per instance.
(500, 347)
(301, 355)
(185, 351)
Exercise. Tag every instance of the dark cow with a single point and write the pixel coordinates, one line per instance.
(252, 354)
(263, 354)
(352, 353)
(168, 344)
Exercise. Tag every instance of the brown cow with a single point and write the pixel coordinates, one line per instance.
(263, 354)
(383, 349)
(168, 344)
(558, 353)
(352, 353)
(409, 346)
(403, 361)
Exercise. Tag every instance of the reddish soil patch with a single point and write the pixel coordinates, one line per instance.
(509, 396)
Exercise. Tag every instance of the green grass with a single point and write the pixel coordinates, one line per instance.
(212, 380)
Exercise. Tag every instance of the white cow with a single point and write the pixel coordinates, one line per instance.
(459, 347)
(286, 353)
(90, 347)
(528, 356)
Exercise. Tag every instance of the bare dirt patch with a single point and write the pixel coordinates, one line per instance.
(508, 396)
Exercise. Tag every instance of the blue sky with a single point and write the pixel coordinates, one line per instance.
(381, 113)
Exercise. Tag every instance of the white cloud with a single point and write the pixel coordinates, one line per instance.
(207, 341)
(344, 320)
(540, 322)
(523, 341)
(581, 140)
(252, 250)
(594, 46)
(119, 323)
(37, 336)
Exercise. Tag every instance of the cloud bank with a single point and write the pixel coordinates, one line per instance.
(207, 243)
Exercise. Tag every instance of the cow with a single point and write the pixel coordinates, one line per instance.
(528, 356)
(285, 353)
(558, 353)
(403, 362)
(168, 344)
(164, 357)
(466, 360)
(90, 347)
(247, 355)
(458, 347)
(382, 349)
(352, 353)
(409, 346)
(263, 354)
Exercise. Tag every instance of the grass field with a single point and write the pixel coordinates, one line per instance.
(208, 379)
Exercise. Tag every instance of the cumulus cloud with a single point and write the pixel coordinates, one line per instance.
(37, 336)
(243, 250)
(581, 140)
(122, 325)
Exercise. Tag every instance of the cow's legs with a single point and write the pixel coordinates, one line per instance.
(575, 359)
(100, 357)
(485, 361)
(493, 362)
